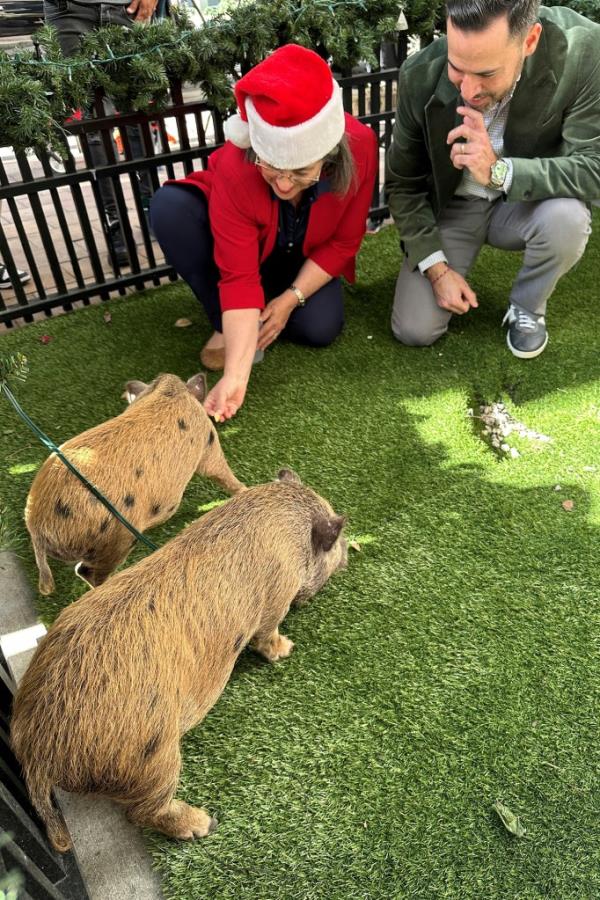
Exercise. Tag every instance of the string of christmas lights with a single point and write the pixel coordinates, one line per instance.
(135, 67)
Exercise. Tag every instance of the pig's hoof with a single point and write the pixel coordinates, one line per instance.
(285, 647)
(279, 648)
(46, 587)
(197, 824)
(275, 646)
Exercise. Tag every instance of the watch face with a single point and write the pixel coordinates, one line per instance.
(499, 172)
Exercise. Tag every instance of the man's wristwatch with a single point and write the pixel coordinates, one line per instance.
(498, 173)
(299, 295)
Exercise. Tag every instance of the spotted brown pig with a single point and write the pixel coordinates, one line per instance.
(133, 664)
(141, 461)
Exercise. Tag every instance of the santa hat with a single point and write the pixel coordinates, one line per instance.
(290, 109)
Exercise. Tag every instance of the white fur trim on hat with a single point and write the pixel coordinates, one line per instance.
(298, 145)
(236, 131)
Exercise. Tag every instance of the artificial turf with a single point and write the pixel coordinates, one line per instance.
(453, 664)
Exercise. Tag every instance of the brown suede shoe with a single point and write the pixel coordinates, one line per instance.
(213, 359)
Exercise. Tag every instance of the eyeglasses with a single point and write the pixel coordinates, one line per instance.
(294, 177)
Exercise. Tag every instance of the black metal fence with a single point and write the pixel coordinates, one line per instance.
(53, 221)
(24, 849)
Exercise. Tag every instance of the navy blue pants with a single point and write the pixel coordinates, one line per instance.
(180, 223)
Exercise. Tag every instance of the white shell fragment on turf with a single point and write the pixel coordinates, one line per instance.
(498, 425)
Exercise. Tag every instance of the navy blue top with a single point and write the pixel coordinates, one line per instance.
(286, 259)
(293, 220)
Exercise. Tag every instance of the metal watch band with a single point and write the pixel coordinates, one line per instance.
(299, 295)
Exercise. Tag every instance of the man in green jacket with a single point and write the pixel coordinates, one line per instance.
(496, 140)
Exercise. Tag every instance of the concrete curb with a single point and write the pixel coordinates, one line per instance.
(111, 854)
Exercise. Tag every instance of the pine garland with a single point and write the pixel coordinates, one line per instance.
(136, 66)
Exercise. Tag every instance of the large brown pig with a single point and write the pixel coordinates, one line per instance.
(142, 461)
(133, 664)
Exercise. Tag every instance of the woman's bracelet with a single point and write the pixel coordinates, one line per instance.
(432, 281)
(299, 295)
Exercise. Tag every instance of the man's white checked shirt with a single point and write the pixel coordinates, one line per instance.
(494, 120)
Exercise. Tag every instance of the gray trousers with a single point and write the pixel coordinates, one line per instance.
(553, 233)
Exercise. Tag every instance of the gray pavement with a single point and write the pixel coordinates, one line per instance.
(110, 851)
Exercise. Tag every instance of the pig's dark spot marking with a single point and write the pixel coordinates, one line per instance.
(172, 509)
(104, 524)
(152, 606)
(153, 702)
(182, 424)
(152, 746)
(211, 438)
(155, 509)
(238, 642)
(62, 509)
(90, 553)
(169, 392)
(129, 500)
(139, 472)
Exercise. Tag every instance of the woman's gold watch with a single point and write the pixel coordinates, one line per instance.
(299, 295)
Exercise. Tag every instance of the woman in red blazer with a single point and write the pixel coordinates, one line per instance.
(264, 234)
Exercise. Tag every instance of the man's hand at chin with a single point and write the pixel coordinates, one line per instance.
(471, 148)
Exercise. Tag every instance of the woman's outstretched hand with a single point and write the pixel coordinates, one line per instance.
(224, 400)
(240, 327)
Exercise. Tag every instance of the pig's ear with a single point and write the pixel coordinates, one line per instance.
(288, 475)
(325, 532)
(197, 386)
(133, 389)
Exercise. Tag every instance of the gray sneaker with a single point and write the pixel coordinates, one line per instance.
(527, 336)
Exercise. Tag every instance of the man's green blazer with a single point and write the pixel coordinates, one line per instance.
(552, 134)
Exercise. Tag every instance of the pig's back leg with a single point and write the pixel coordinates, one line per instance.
(46, 580)
(158, 809)
(267, 640)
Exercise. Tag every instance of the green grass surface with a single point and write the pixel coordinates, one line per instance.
(454, 663)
